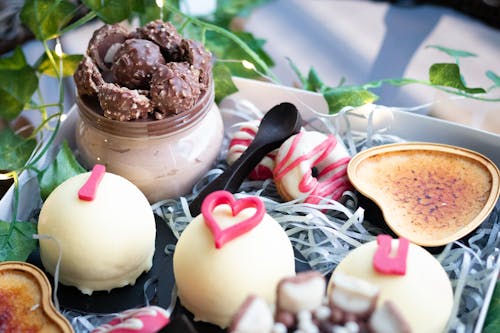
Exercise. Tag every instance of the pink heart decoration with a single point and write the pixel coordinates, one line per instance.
(222, 236)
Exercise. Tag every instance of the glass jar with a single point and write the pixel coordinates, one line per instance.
(164, 158)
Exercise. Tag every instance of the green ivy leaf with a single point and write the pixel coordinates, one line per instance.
(16, 61)
(63, 167)
(452, 52)
(340, 97)
(224, 48)
(69, 62)
(228, 9)
(493, 77)
(46, 18)
(14, 150)
(313, 82)
(18, 82)
(492, 322)
(20, 243)
(224, 85)
(448, 75)
(113, 11)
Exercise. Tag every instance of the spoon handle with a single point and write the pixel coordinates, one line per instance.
(231, 179)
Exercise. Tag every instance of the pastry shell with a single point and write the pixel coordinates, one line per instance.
(432, 194)
(26, 299)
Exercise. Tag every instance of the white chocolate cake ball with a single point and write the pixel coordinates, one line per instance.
(423, 295)
(106, 243)
(213, 282)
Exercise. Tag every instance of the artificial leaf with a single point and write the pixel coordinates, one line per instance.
(340, 97)
(314, 83)
(113, 11)
(16, 61)
(46, 18)
(224, 85)
(227, 10)
(69, 64)
(493, 77)
(224, 48)
(16, 240)
(448, 75)
(492, 322)
(452, 52)
(18, 82)
(14, 150)
(63, 167)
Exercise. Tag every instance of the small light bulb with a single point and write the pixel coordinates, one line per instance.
(159, 3)
(248, 65)
(58, 49)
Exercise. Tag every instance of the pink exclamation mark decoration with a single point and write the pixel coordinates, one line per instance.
(88, 191)
(384, 263)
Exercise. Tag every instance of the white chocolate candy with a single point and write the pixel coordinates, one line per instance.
(106, 243)
(302, 152)
(423, 295)
(213, 283)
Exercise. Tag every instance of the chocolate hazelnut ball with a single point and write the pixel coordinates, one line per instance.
(120, 103)
(165, 35)
(175, 88)
(87, 77)
(195, 53)
(104, 43)
(135, 62)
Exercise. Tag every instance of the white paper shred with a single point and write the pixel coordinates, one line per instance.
(324, 234)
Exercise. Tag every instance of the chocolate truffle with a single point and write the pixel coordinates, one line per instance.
(121, 103)
(135, 62)
(195, 53)
(104, 43)
(165, 35)
(87, 77)
(175, 88)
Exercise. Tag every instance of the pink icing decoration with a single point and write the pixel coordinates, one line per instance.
(88, 190)
(333, 185)
(238, 145)
(382, 260)
(143, 320)
(222, 236)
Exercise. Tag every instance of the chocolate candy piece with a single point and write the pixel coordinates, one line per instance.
(175, 88)
(104, 43)
(305, 291)
(356, 298)
(120, 103)
(165, 35)
(135, 62)
(87, 77)
(195, 53)
(387, 319)
(253, 316)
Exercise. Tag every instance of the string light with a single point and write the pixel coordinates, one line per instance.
(58, 48)
(248, 65)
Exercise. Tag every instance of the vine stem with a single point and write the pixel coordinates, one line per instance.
(208, 26)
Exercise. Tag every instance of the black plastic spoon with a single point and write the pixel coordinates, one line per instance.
(278, 124)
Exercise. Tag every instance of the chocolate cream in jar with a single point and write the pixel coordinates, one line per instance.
(164, 158)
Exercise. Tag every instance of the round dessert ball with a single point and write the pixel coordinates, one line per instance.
(175, 88)
(135, 62)
(106, 243)
(213, 282)
(423, 295)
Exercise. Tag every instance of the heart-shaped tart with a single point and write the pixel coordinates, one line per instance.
(25, 295)
(431, 194)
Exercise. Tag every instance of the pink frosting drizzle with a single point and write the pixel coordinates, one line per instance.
(332, 178)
